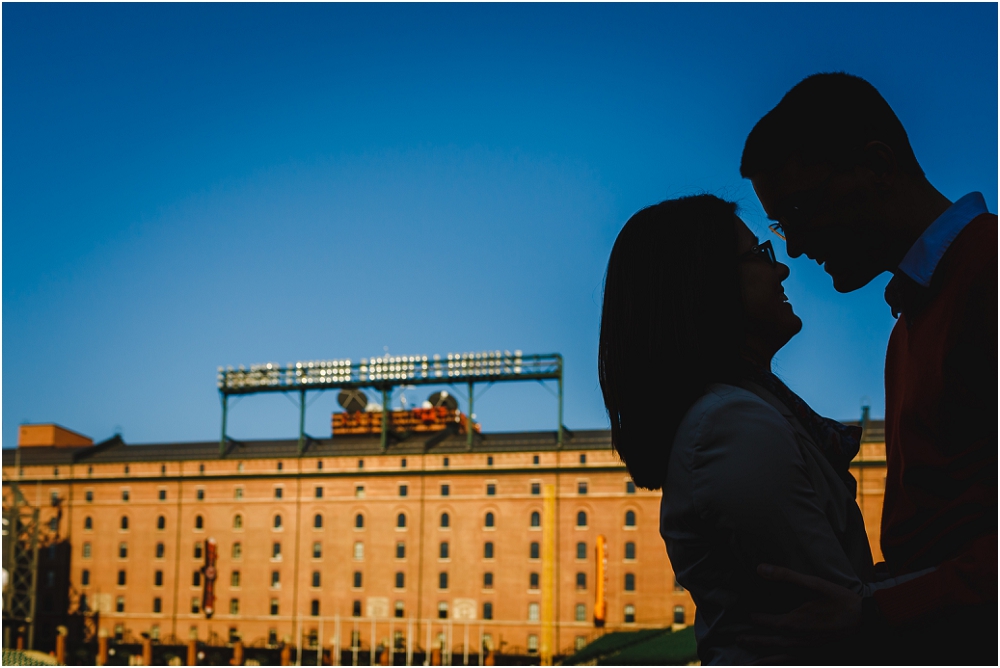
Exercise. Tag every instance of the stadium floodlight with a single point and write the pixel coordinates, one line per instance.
(385, 373)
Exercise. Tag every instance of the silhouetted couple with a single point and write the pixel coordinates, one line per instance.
(758, 512)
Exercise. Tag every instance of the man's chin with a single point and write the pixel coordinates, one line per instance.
(845, 282)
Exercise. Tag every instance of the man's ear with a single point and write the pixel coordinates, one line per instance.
(880, 159)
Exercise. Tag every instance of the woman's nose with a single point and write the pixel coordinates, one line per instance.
(783, 271)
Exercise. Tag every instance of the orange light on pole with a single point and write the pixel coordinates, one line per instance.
(601, 604)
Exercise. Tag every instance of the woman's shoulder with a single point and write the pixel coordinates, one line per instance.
(728, 405)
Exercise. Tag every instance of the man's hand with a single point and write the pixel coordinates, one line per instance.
(834, 615)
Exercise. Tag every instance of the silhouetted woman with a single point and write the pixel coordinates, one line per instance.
(694, 311)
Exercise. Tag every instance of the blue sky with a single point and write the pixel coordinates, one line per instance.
(188, 186)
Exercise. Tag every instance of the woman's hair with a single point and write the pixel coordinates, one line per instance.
(671, 325)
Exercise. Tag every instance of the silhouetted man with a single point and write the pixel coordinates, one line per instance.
(834, 169)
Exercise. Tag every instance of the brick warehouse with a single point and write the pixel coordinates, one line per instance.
(428, 544)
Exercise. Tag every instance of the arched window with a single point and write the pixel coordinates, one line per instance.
(199, 522)
(536, 519)
(629, 582)
(533, 551)
(490, 520)
(487, 610)
(359, 550)
(630, 550)
(445, 521)
(401, 520)
(359, 521)
(318, 521)
(581, 519)
(630, 518)
(629, 614)
(88, 523)
(237, 550)
(161, 523)
(277, 521)
(124, 523)
(237, 521)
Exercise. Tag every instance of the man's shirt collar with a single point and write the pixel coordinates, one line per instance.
(922, 259)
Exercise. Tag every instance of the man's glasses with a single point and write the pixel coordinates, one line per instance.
(763, 251)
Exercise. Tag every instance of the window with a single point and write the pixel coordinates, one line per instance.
(678, 614)
(361, 463)
(275, 579)
(277, 521)
(581, 612)
(125, 495)
(279, 492)
(583, 459)
(317, 550)
(401, 521)
(359, 521)
(533, 551)
(536, 519)
(197, 550)
(445, 490)
(162, 494)
(160, 550)
(488, 550)
(534, 460)
(89, 496)
(120, 604)
(400, 580)
(532, 612)
(488, 580)
(630, 582)
(315, 579)
(237, 550)
(161, 523)
(319, 465)
(630, 518)
(234, 606)
(402, 463)
(581, 550)
(400, 610)
(201, 469)
(533, 581)
(88, 524)
(234, 579)
(276, 550)
(581, 487)
(443, 550)
(630, 614)
(272, 637)
(121, 578)
(355, 612)
(356, 583)
(630, 551)
(281, 465)
(581, 519)
(359, 491)
(124, 523)
(489, 461)
(199, 494)
(442, 610)
(581, 580)
(239, 467)
(629, 487)
(536, 488)
(237, 521)
(123, 550)
(85, 577)
(400, 550)
(491, 489)
(274, 606)
(443, 580)
(318, 521)
(445, 521)
(238, 493)
(359, 550)
(318, 491)
(86, 550)
(314, 609)
(157, 605)
(677, 585)
(533, 642)
(196, 579)
(54, 524)
(404, 490)
(487, 610)
(199, 522)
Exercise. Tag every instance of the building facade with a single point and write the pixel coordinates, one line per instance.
(422, 546)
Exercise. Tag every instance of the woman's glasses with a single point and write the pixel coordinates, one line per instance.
(763, 251)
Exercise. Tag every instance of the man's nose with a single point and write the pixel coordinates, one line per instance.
(793, 246)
